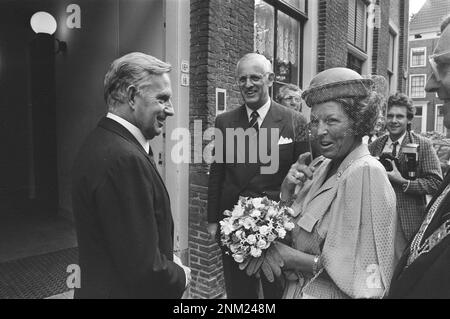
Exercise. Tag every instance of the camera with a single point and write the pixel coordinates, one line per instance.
(386, 159)
(411, 152)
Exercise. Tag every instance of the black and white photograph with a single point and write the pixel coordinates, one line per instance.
(202, 151)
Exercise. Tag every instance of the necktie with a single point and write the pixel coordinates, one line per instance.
(150, 154)
(254, 121)
(394, 149)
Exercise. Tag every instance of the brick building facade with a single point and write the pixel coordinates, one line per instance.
(424, 35)
(207, 38)
(331, 36)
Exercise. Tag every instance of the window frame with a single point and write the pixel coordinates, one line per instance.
(436, 113)
(366, 29)
(410, 85)
(424, 49)
(393, 74)
(302, 18)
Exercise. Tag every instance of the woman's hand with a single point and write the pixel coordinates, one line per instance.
(297, 175)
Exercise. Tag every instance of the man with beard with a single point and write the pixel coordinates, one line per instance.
(423, 271)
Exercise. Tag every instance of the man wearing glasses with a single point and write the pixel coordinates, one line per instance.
(231, 179)
(121, 206)
(424, 269)
(290, 96)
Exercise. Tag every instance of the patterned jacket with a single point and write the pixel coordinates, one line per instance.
(412, 203)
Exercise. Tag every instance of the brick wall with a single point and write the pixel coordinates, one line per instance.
(332, 42)
(403, 44)
(381, 41)
(221, 33)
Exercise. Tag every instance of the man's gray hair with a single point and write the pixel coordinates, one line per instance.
(267, 65)
(134, 68)
(285, 89)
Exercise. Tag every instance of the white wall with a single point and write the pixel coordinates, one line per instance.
(177, 48)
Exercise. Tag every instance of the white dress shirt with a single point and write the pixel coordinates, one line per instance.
(136, 132)
(262, 112)
(388, 147)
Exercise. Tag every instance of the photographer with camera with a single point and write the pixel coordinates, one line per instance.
(411, 163)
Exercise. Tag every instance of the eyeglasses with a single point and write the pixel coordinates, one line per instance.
(293, 98)
(434, 66)
(254, 78)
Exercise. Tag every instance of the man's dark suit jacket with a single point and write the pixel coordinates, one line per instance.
(228, 181)
(123, 220)
(429, 275)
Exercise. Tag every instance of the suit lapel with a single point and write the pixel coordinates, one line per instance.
(379, 145)
(273, 120)
(120, 130)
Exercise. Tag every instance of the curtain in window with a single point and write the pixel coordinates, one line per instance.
(287, 64)
(264, 29)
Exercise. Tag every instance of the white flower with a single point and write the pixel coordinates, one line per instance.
(251, 239)
(289, 226)
(234, 247)
(255, 213)
(238, 258)
(226, 227)
(257, 202)
(271, 237)
(255, 252)
(262, 244)
(238, 211)
(264, 230)
(271, 213)
(248, 223)
(239, 234)
(281, 233)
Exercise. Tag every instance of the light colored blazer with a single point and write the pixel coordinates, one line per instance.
(354, 210)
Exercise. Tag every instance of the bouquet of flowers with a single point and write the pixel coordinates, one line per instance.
(253, 225)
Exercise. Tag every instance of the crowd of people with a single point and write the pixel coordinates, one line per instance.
(362, 224)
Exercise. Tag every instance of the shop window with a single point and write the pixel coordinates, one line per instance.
(279, 37)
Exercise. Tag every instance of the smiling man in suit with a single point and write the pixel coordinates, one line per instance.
(411, 200)
(121, 206)
(231, 178)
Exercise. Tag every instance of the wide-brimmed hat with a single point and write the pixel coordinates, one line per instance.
(337, 83)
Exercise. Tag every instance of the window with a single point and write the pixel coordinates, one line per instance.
(439, 120)
(354, 63)
(418, 57)
(391, 70)
(418, 119)
(357, 26)
(279, 37)
(417, 86)
(419, 123)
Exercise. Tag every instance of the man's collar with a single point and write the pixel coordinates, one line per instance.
(400, 140)
(133, 130)
(262, 111)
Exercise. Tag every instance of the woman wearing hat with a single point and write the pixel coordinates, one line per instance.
(346, 223)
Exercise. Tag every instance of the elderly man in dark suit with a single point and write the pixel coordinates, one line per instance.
(424, 269)
(411, 200)
(122, 208)
(231, 177)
